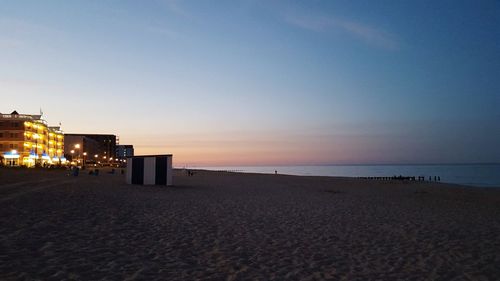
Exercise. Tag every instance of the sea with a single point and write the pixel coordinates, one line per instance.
(480, 175)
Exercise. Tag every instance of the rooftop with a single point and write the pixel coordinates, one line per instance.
(31, 117)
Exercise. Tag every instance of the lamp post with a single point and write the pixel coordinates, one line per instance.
(72, 155)
(84, 154)
(77, 146)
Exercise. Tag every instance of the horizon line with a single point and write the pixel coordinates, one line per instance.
(355, 164)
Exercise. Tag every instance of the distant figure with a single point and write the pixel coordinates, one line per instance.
(76, 171)
(439, 178)
(275, 172)
(430, 178)
(435, 179)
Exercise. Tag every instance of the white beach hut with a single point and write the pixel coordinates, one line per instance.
(150, 170)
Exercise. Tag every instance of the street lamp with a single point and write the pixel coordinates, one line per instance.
(77, 146)
(72, 155)
(84, 154)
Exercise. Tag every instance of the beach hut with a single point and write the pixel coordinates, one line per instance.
(149, 170)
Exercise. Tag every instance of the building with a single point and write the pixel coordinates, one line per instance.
(90, 148)
(27, 140)
(124, 150)
(80, 149)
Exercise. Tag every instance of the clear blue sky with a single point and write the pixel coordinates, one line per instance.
(263, 82)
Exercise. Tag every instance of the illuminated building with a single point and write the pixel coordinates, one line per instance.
(104, 146)
(124, 150)
(27, 140)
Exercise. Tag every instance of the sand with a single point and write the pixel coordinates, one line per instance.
(230, 226)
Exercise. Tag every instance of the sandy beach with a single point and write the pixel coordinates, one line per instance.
(231, 226)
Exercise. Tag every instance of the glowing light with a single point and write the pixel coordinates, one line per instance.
(77, 145)
(11, 155)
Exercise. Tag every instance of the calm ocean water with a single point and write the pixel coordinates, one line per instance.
(484, 175)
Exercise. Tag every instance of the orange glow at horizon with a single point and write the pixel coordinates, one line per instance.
(268, 149)
(234, 149)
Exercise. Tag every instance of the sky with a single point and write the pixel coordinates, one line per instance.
(262, 82)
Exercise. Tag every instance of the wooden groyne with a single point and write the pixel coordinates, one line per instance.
(404, 178)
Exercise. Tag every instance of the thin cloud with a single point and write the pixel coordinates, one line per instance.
(314, 24)
(174, 7)
(368, 34)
